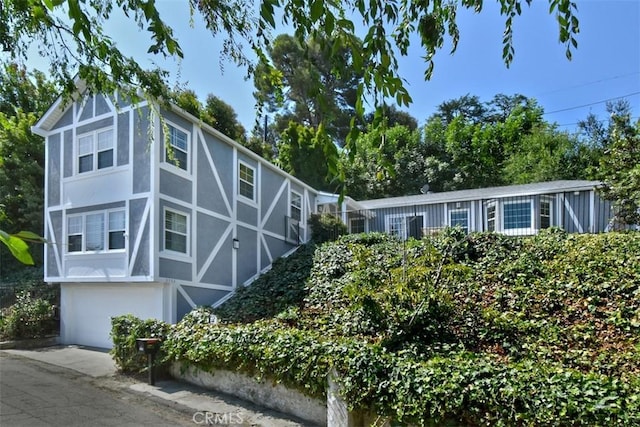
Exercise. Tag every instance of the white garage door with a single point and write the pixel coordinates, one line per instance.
(86, 309)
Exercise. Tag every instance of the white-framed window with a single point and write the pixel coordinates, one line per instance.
(95, 150)
(96, 231)
(516, 215)
(246, 181)
(546, 206)
(491, 217)
(396, 226)
(295, 209)
(177, 149)
(176, 231)
(459, 217)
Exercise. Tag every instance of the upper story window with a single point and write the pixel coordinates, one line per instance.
(95, 150)
(96, 231)
(176, 236)
(296, 206)
(177, 150)
(246, 181)
(459, 217)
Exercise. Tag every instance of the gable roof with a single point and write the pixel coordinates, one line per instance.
(483, 193)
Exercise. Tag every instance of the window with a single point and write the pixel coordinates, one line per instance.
(491, 217)
(405, 226)
(74, 234)
(357, 225)
(246, 187)
(517, 215)
(296, 206)
(175, 232)
(545, 213)
(95, 145)
(87, 232)
(396, 226)
(177, 153)
(459, 217)
(116, 230)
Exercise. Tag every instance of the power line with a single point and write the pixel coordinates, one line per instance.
(592, 103)
(599, 121)
(590, 83)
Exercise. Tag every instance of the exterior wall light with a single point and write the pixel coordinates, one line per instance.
(236, 244)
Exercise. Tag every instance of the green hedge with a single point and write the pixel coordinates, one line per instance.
(469, 330)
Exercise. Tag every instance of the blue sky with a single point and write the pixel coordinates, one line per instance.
(606, 64)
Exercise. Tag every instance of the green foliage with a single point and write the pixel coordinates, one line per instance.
(483, 329)
(28, 317)
(326, 227)
(620, 170)
(125, 330)
(279, 289)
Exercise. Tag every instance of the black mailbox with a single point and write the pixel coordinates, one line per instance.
(149, 346)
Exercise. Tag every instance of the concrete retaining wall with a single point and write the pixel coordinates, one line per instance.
(264, 393)
(333, 413)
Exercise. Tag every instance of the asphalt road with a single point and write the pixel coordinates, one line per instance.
(33, 393)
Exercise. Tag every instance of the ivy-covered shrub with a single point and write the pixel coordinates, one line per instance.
(456, 330)
(281, 288)
(28, 317)
(326, 227)
(125, 330)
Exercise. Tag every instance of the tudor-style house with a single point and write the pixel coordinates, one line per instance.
(137, 227)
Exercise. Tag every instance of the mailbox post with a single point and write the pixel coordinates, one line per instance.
(150, 347)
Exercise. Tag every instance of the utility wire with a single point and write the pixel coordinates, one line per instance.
(590, 83)
(592, 103)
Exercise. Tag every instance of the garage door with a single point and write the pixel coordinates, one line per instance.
(86, 309)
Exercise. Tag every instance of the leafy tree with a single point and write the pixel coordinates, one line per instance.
(23, 98)
(71, 35)
(223, 117)
(307, 90)
(304, 153)
(620, 170)
(215, 112)
(542, 155)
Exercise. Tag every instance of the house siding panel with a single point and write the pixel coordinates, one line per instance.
(136, 213)
(68, 159)
(65, 120)
(247, 214)
(220, 270)
(203, 296)
(277, 247)
(182, 306)
(98, 124)
(141, 153)
(92, 208)
(222, 156)
(247, 254)
(172, 269)
(175, 186)
(53, 170)
(123, 139)
(54, 235)
(210, 231)
(102, 107)
(276, 222)
(87, 109)
(209, 194)
(141, 265)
